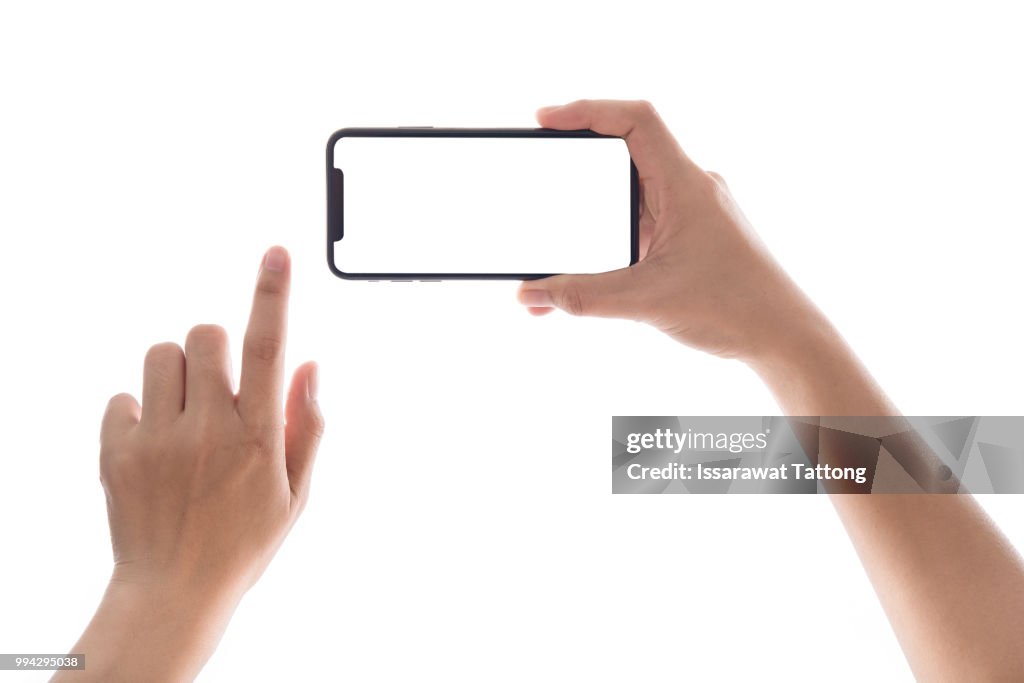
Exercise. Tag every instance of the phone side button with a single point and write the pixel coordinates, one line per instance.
(415, 126)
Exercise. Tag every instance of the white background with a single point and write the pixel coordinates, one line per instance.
(461, 526)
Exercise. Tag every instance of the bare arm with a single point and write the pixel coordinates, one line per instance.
(951, 584)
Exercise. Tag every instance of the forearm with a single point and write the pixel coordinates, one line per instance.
(150, 633)
(950, 583)
(812, 371)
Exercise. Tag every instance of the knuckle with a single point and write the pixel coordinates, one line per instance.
(715, 189)
(115, 464)
(207, 336)
(644, 110)
(119, 417)
(262, 442)
(163, 353)
(120, 402)
(263, 347)
(270, 286)
(316, 424)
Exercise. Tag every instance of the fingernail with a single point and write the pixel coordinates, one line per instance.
(535, 297)
(549, 108)
(313, 382)
(275, 259)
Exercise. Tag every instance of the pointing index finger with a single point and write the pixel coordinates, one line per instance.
(261, 385)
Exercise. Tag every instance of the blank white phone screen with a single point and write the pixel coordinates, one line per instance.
(437, 205)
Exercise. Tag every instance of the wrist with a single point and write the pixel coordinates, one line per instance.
(208, 584)
(172, 599)
(791, 335)
(792, 345)
(153, 631)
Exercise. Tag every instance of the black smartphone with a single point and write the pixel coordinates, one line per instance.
(423, 203)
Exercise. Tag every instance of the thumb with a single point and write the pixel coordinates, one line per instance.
(303, 429)
(608, 295)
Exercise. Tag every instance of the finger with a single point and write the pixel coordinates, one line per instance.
(207, 368)
(651, 145)
(610, 295)
(304, 428)
(122, 414)
(163, 383)
(259, 391)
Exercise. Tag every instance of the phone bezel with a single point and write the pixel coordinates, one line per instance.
(336, 194)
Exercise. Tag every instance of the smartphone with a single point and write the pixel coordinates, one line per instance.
(423, 203)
